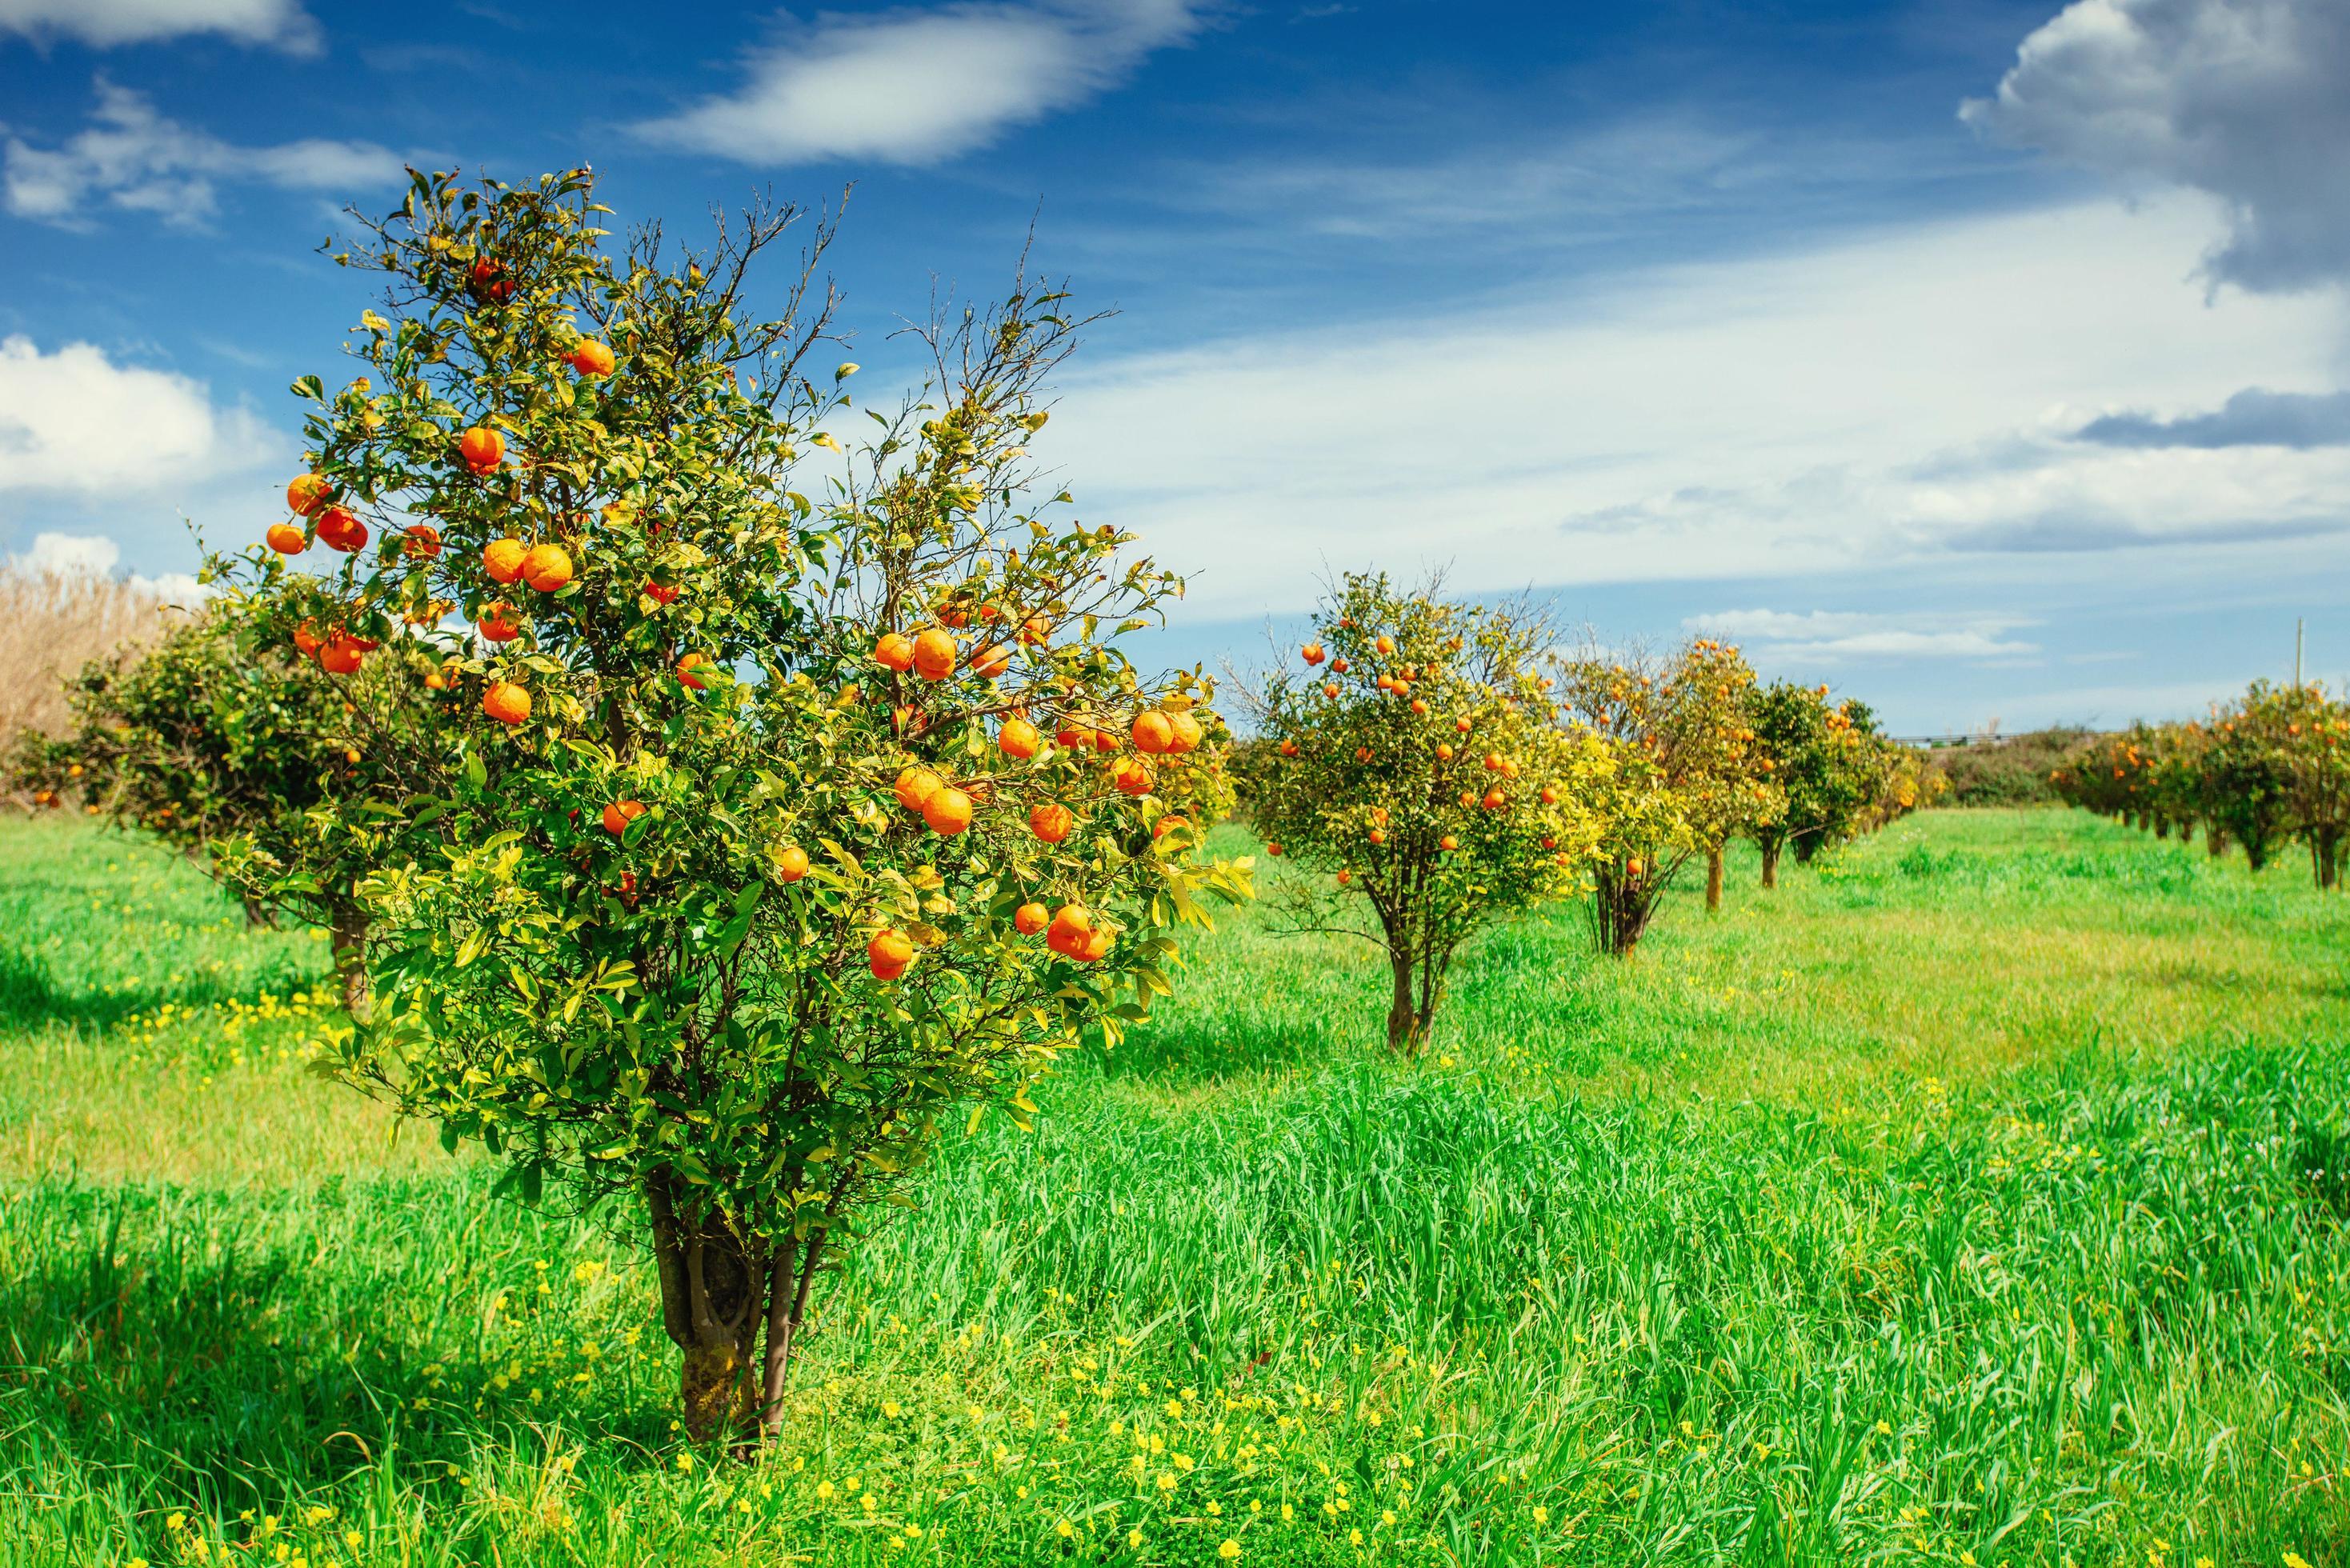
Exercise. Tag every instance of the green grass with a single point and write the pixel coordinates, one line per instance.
(1981, 1195)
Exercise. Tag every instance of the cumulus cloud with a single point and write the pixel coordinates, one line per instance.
(915, 85)
(96, 556)
(281, 24)
(134, 159)
(2250, 418)
(2248, 100)
(1827, 636)
(73, 422)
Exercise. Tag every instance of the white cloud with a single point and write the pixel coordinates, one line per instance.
(104, 23)
(137, 159)
(1826, 636)
(912, 86)
(74, 421)
(1889, 397)
(96, 556)
(2246, 99)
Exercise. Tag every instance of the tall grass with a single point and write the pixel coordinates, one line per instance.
(51, 624)
(1980, 1199)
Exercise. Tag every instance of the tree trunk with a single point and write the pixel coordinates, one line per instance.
(2215, 841)
(2323, 860)
(2186, 830)
(258, 914)
(1770, 862)
(1713, 879)
(2162, 827)
(1407, 1028)
(347, 930)
(711, 1290)
(787, 1298)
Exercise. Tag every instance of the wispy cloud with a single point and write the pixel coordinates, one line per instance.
(279, 24)
(133, 158)
(917, 86)
(2250, 418)
(2248, 100)
(1828, 636)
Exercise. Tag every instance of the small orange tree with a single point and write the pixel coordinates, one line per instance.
(1820, 757)
(759, 832)
(223, 742)
(2305, 729)
(1689, 774)
(1414, 773)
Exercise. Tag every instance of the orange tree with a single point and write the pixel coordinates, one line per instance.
(1411, 769)
(761, 832)
(2303, 728)
(2246, 779)
(1819, 756)
(1689, 774)
(225, 743)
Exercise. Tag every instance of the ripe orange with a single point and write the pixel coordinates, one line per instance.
(619, 814)
(791, 862)
(502, 559)
(306, 640)
(591, 358)
(1492, 761)
(957, 615)
(1096, 945)
(1153, 734)
(1312, 652)
(1338, 667)
(1495, 800)
(1448, 842)
(342, 656)
(338, 529)
(1167, 824)
(1345, 878)
(1030, 918)
(1329, 691)
(482, 448)
(1288, 748)
(1385, 644)
(1018, 739)
(507, 702)
(420, 540)
(934, 654)
(889, 954)
(1050, 822)
(1103, 742)
(916, 784)
(1187, 733)
(688, 665)
(660, 593)
(1462, 725)
(992, 662)
(894, 650)
(1550, 795)
(1034, 630)
(948, 811)
(287, 539)
(1443, 750)
(1419, 705)
(498, 623)
(1632, 866)
(546, 567)
(1071, 925)
(1379, 835)
(1133, 778)
(306, 493)
(1272, 849)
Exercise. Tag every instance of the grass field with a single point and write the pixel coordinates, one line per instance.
(1978, 1200)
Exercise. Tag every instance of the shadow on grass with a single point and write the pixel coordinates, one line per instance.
(31, 999)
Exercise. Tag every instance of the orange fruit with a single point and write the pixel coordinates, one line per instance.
(341, 657)
(1133, 778)
(1272, 849)
(948, 811)
(1492, 761)
(1550, 795)
(791, 862)
(591, 358)
(1462, 725)
(660, 593)
(1419, 705)
(1167, 824)
(498, 623)
(1096, 945)
(482, 448)
(546, 567)
(287, 539)
(1153, 734)
(306, 639)
(306, 494)
(1030, 918)
(895, 650)
(688, 665)
(422, 540)
(1329, 691)
(1443, 751)
(507, 702)
(1070, 928)
(992, 662)
(619, 814)
(1339, 667)
(1345, 878)
(934, 654)
(1187, 733)
(1386, 644)
(916, 784)
(1448, 842)
(1288, 748)
(1050, 822)
(502, 559)
(338, 529)
(889, 954)
(1495, 800)
(1018, 739)
(1312, 652)
(1379, 835)
(1034, 630)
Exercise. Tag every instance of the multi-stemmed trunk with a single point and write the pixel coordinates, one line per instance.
(1418, 987)
(2324, 857)
(1622, 901)
(721, 1290)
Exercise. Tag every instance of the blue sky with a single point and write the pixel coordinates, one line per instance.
(1986, 361)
